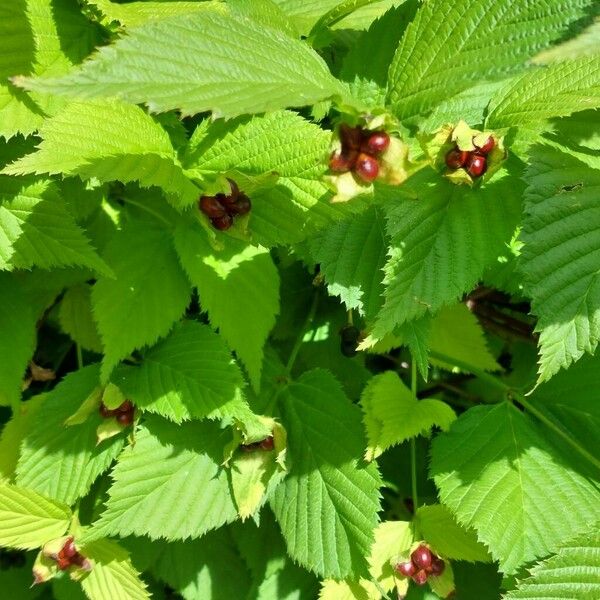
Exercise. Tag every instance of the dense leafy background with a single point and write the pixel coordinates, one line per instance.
(470, 417)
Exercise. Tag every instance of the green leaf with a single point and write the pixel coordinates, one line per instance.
(494, 469)
(439, 528)
(449, 46)
(12, 435)
(76, 319)
(17, 341)
(546, 92)
(325, 444)
(585, 44)
(62, 462)
(170, 484)
(391, 415)
(441, 242)
(112, 576)
(349, 590)
(239, 287)
(455, 332)
(561, 235)
(279, 141)
(29, 520)
(185, 62)
(149, 294)
(571, 399)
(189, 375)
(207, 568)
(37, 229)
(127, 144)
(352, 255)
(570, 573)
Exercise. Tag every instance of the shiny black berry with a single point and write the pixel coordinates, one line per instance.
(366, 167)
(125, 418)
(437, 566)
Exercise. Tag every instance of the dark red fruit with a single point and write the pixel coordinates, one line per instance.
(421, 556)
(455, 159)
(437, 566)
(105, 412)
(63, 563)
(267, 443)
(125, 419)
(342, 162)
(241, 207)
(407, 568)
(487, 146)
(366, 167)
(127, 406)
(68, 550)
(377, 143)
(222, 223)
(420, 577)
(351, 137)
(211, 207)
(349, 333)
(476, 165)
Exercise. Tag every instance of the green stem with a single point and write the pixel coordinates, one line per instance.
(512, 394)
(413, 444)
(300, 338)
(147, 209)
(79, 356)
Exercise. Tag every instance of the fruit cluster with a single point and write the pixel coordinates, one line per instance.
(359, 152)
(421, 565)
(475, 162)
(123, 414)
(222, 208)
(68, 556)
(349, 336)
(266, 444)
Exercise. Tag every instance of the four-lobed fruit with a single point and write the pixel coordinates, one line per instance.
(222, 208)
(423, 563)
(359, 152)
(475, 162)
(123, 414)
(69, 556)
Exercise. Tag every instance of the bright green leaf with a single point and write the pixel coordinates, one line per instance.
(170, 484)
(325, 445)
(560, 256)
(17, 340)
(126, 144)
(456, 333)
(439, 528)
(62, 461)
(239, 287)
(352, 254)
(449, 46)
(392, 415)
(29, 520)
(186, 62)
(190, 374)
(546, 92)
(493, 470)
(76, 319)
(112, 576)
(570, 573)
(36, 229)
(150, 292)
